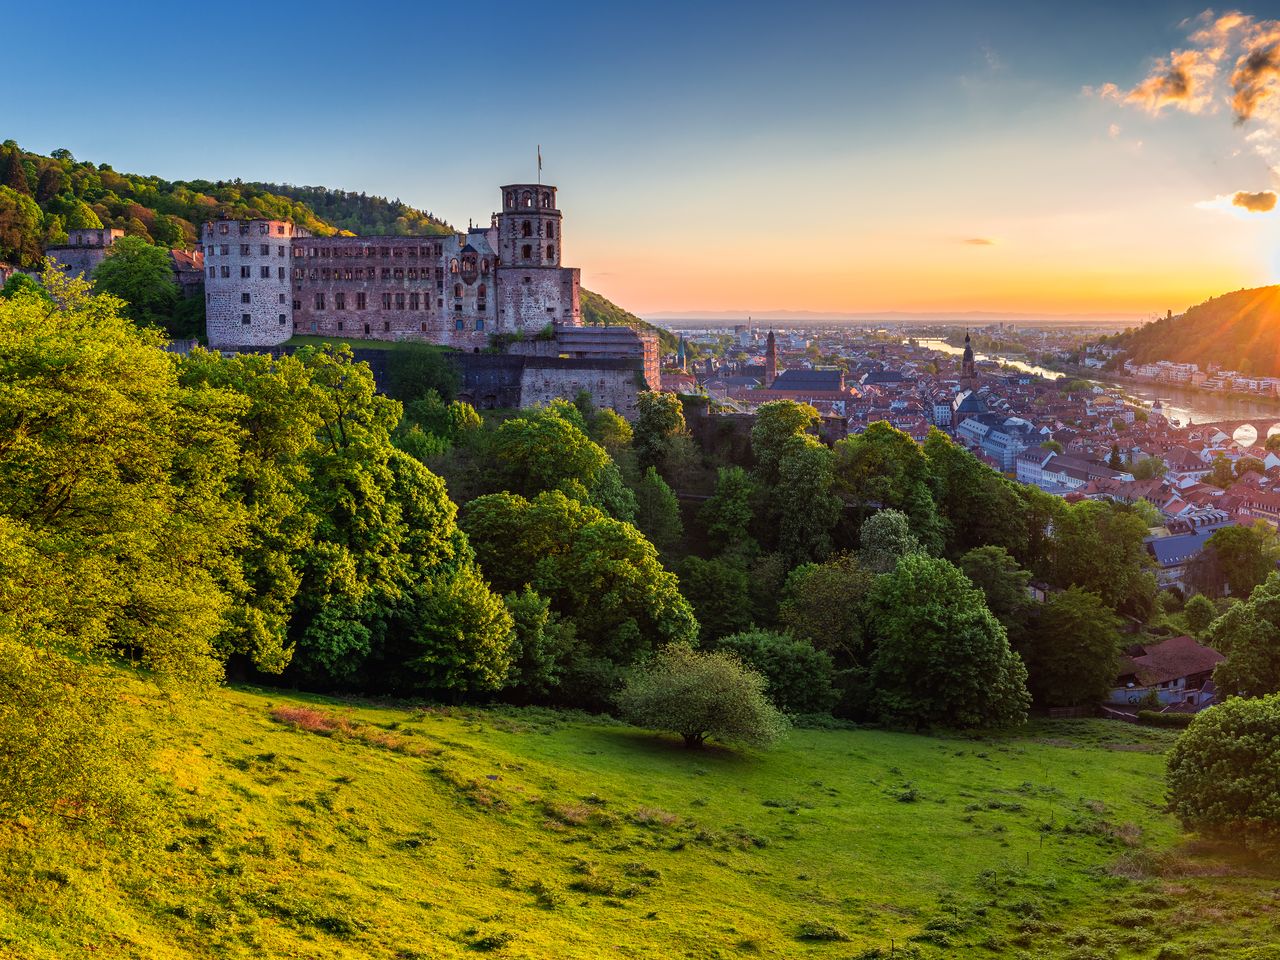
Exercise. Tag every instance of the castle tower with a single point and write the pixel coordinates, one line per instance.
(533, 288)
(770, 360)
(966, 362)
(248, 300)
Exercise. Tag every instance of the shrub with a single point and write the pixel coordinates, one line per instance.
(1157, 719)
(699, 695)
(799, 678)
(1224, 771)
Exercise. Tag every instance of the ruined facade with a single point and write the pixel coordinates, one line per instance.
(458, 290)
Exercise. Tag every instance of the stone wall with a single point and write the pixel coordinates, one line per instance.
(247, 282)
(610, 383)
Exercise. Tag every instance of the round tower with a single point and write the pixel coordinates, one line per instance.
(248, 302)
(529, 226)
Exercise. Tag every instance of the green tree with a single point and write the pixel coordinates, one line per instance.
(1004, 585)
(658, 511)
(1114, 461)
(1224, 771)
(20, 284)
(1099, 547)
(727, 515)
(1199, 612)
(1273, 442)
(1249, 465)
(80, 216)
(825, 604)
(882, 467)
(799, 679)
(20, 220)
(1248, 635)
(659, 420)
(977, 506)
(885, 538)
(1145, 510)
(808, 509)
(718, 591)
(1148, 468)
(459, 634)
(940, 657)
(1052, 446)
(701, 695)
(142, 276)
(1072, 651)
(15, 176)
(1222, 473)
(777, 423)
(1246, 555)
(542, 644)
(610, 430)
(414, 370)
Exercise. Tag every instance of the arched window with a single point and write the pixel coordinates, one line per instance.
(511, 198)
(551, 251)
(546, 199)
(526, 251)
(551, 230)
(457, 290)
(526, 199)
(526, 229)
(481, 291)
(484, 266)
(453, 265)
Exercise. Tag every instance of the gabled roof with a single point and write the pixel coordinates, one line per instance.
(1173, 659)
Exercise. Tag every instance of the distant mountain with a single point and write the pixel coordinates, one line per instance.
(887, 316)
(1237, 331)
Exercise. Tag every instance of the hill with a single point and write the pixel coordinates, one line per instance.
(596, 309)
(1237, 331)
(307, 827)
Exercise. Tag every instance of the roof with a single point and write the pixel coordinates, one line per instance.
(1173, 659)
(1179, 547)
(823, 380)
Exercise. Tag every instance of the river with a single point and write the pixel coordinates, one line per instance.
(1178, 403)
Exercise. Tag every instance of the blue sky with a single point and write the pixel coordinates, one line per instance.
(694, 144)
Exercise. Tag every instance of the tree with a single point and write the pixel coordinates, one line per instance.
(1072, 651)
(882, 467)
(1246, 555)
(718, 592)
(459, 635)
(1273, 442)
(1148, 468)
(80, 216)
(1052, 446)
(977, 506)
(20, 219)
(610, 430)
(885, 538)
(1248, 635)
(940, 657)
(1199, 612)
(415, 369)
(727, 515)
(15, 176)
(799, 679)
(825, 604)
(807, 507)
(701, 695)
(1099, 547)
(1224, 771)
(1146, 511)
(142, 276)
(542, 643)
(777, 423)
(1249, 465)
(1004, 585)
(660, 418)
(451, 421)
(1114, 461)
(20, 284)
(658, 511)
(1222, 473)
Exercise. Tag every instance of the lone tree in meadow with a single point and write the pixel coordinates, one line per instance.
(700, 694)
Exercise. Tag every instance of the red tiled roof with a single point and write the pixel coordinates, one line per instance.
(1173, 659)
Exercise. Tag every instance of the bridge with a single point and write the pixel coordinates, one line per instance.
(1244, 432)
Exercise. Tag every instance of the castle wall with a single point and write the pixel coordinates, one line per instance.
(610, 383)
(529, 298)
(247, 282)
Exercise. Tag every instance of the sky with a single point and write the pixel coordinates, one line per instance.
(740, 157)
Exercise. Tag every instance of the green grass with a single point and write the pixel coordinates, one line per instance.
(404, 833)
(302, 340)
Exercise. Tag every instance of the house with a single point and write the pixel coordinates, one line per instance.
(1172, 553)
(1179, 671)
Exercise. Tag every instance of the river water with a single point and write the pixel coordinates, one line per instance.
(1178, 403)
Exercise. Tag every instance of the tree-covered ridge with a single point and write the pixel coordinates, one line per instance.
(41, 198)
(597, 310)
(1237, 331)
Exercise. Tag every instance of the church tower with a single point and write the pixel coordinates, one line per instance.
(680, 354)
(967, 361)
(770, 360)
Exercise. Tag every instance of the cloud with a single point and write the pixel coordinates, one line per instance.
(978, 242)
(1261, 202)
(1233, 61)
(1113, 131)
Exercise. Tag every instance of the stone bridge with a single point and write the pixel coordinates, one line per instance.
(1244, 432)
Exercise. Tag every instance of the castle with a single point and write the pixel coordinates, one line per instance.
(267, 280)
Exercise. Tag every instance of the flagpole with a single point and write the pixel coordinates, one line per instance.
(539, 164)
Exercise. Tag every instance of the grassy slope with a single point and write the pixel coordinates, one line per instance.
(582, 839)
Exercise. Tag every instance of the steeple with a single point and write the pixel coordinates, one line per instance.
(966, 362)
(680, 354)
(770, 360)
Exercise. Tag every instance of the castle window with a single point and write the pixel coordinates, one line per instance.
(386, 273)
(264, 228)
(439, 286)
(526, 199)
(511, 198)
(339, 301)
(386, 251)
(526, 229)
(386, 326)
(359, 273)
(244, 319)
(399, 273)
(480, 323)
(551, 252)
(413, 301)
(399, 301)
(458, 325)
(551, 230)
(319, 301)
(424, 327)
(481, 291)
(222, 228)
(386, 301)
(244, 249)
(360, 301)
(265, 249)
(313, 326)
(324, 273)
(457, 290)
(339, 326)
(279, 273)
(282, 298)
(413, 273)
(453, 265)
(282, 319)
(226, 249)
(366, 328)
(244, 229)
(313, 273)
(280, 251)
(266, 273)
(280, 229)
(484, 266)
(213, 271)
(546, 199)
(244, 273)
(297, 305)
(244, 298)
(526, 251)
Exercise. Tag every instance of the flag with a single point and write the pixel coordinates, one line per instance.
(539, 158)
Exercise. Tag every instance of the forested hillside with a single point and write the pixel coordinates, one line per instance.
(596, 309)
(1236, 331)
